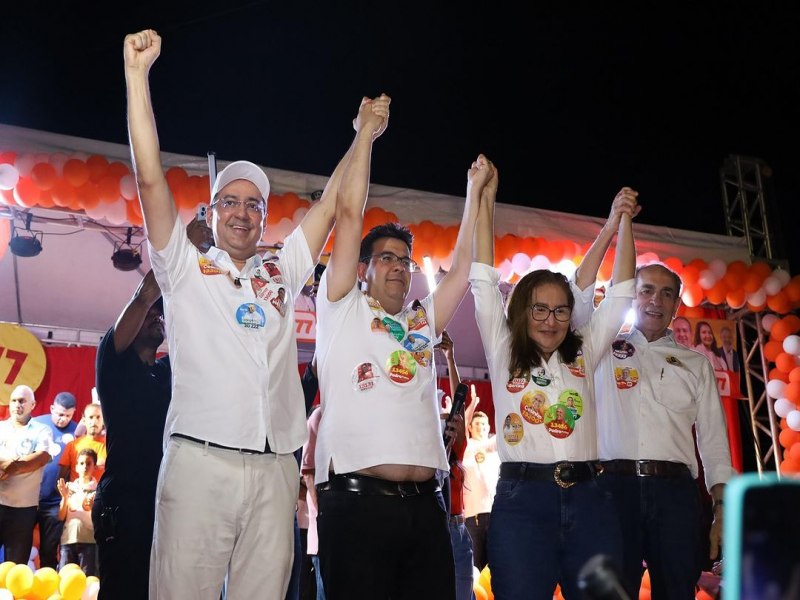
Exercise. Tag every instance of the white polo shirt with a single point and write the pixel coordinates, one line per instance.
(22, 491)
(232, 347)
(547, 415)
(377, 384)
(649, 394)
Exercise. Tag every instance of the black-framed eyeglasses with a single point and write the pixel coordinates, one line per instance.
(390, 259)
(229, 203)
(540, 312)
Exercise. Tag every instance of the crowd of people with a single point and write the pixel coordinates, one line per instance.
(190, 485)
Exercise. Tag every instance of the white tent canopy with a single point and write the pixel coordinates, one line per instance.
(72, 290)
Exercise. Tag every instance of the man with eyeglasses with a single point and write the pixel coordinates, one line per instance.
(237, 412)
(383, 531)
(63, 429)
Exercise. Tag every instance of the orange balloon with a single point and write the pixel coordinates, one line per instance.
(76, 172)
(794, 374)
(27, 192)
(772, 349)
(792, 392)
(776, 373)
(788, 437)
(792, 289)
(44, 175)
(779, 303)
(692, 294)
(753, 282)
(703, 595)
(790, 466)
(718, 293)
(792, 323)
(675, 264)
(644, 594)
(738, 266)
(689, 275)
(118, 169)
(762, 269)
(88, 196)
(646, 579)
(480, 593)
(694, 312)
(785, 362)
(98, 167)
(108, 189)
(780, 331)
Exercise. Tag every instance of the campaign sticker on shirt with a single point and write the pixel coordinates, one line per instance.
(251, 316)
(416, 342)
(558, 421)
(518, 382)
(207, 266)
(259, 285)
(573, 401)
(377, 326)
(673, 360)
(279, 301)
(622, 349)
(626, 377)
(479, 457)
(394, 328)
(541, 377)
(578, 366)
(418, 319)
(401, 366)
(365, 377)
(512, 429)
(423, 357)
(533, 406)
(373, 304)
(273, 271)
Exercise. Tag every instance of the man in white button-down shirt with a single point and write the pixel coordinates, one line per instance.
(651, 391)
(228, 481)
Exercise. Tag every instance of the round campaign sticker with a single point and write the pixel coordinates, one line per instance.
(573, 401)
(250, 316)
(622, 349)
(512, 429)
(394, 328)
(415, 342)
(479, 457)
(558, 421)
(518, 382)
(626, 377)
(365, 377)
(578, 367)
(540, 377)
(401, 366)
(533, 406)
(377, 326)
(423, 358)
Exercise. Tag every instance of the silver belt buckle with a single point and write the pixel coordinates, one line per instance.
(557, 475)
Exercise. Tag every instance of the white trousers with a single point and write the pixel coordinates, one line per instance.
(223, 512)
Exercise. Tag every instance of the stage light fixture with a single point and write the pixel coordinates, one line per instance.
(127, 257)
(27, 244)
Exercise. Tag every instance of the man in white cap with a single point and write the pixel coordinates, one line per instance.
(228, 481)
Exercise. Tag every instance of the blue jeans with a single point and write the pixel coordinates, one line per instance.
(462, 556)
(660, 519)
(318, 575)
(541, 535)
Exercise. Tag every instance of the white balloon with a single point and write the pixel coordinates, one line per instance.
(783, 406)
(793, 420)
(782, 275)
(757, 298)
(34, 553)
(539, 262)
(116, 212)
(707, 279)
(24, 164)
(57, 159)
(9, 176)
(775, 388)
(566, 268)
(718, 267)
(505, 269)
(768, 321)
(127, 187)
(772, 285)
(521, 263)
(791, 344)
(91, 591)
(54, 449)
(6, 595)
(299, 214)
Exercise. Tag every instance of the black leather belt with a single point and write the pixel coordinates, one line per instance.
(646, 468)
(183, 436)
(565, 474)
(374, 486)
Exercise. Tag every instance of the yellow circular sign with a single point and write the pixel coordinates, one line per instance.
(22, 360)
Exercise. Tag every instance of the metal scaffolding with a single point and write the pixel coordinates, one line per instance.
(745, 206)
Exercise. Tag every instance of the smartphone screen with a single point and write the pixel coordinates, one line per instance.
(762, 558)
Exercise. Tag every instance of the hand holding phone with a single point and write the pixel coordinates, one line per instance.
(459, 400)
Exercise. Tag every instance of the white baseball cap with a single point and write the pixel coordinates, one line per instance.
(242, 169)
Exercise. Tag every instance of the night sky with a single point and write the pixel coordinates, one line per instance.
(570, 103)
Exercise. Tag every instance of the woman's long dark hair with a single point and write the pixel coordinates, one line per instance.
(525, 353)
(698, 340)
